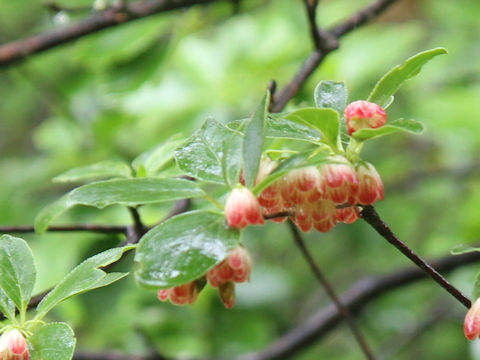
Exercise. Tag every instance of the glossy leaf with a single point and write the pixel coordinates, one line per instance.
(324, 120)
(17, 271)
(331, 94)
(277, 127)
(86, 276)
(183, 248)
(127, 192)
(7, 307)
(54, 341)
(201, 156)
(281, 128)
(151, 161)
(101, 170)
(400, 125)
(391, 81)
(463, 249)
(253, 142)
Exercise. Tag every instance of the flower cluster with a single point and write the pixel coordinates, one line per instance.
(182, 294)
(13, 346)
(319, 197)
(235, 268)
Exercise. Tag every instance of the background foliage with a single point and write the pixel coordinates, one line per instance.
(119, 92)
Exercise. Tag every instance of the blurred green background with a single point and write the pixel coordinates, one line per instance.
(114, 94)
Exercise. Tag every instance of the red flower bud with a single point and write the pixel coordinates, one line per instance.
(13, 346)
(471, 325)
(242, 209)
(363, 114)
(370, 184)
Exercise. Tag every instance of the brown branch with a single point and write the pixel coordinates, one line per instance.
(311, 7)
(330, 291)
(328, 318)
(330, 38)
(21, 49)
(103, 229)
(355, 299)
(361, 17)
(369, 214)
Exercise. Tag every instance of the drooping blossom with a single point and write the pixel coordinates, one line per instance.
(370, 186)
(13, 346)
(235, 268)
(182, 294)
(471, 325)
(242, 208)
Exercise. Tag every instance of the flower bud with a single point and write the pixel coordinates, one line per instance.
(227, 294)
(363, 114)
(182, 294)
(242, 208)
(370, 187)
(236, 267)
(13, 346)
(471, 325)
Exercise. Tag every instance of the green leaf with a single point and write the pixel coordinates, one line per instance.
(476, 288)
(104, 169)
(127, 192)
(183, 249)
(7, 307)
(391, 81)
(277, 127)
(86, 276)
(17, 271)
(331, 94)
(297, 161)
(253, 142)
(400, 125)
(54, 341)
(281, 128)
(154, 159)
(202, 155)
(324, 120)
(463, 249)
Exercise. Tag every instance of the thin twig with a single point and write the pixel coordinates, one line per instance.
(103, 229)
(23, 48)
(363, 292)
(311, 7)
(369, 214)
(331, 36)
(330, 291)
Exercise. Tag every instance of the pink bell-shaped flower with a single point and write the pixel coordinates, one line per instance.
(363, 114)
(180, 295)
(370, 187)
(242, 208)
(471, 325)
(236, 267)
(13, 346)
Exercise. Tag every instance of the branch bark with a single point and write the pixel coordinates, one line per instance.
(331, 292)
(21, 49)
(369, 214)
(329, 40)
(355, 299)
